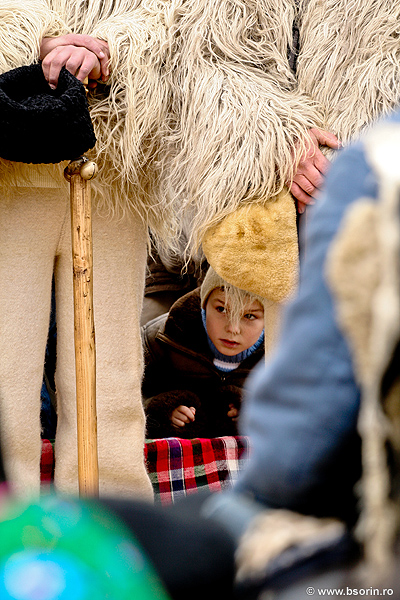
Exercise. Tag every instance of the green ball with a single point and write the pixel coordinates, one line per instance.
(59, 548)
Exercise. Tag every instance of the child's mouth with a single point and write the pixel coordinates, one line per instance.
(229, 343)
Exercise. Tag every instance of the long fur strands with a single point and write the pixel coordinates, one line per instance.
(130, 117)
(237, 300)
(350, 60)
(235, 115)
(128, 112)
(23, 27)
(82, 15)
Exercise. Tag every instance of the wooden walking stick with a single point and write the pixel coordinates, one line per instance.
(79, 173)
(30, 114)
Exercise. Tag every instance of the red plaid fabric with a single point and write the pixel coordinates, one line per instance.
(178, 467)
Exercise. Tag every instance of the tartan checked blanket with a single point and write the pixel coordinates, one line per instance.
(178, 467)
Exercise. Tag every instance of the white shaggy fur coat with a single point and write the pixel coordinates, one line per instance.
(35, 241)
(202, 113)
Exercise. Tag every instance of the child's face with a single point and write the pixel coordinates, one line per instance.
(232, 338)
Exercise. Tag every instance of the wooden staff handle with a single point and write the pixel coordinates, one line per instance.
(78, 173)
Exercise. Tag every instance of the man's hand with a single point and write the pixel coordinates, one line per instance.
(182, 415)
(312, 167)
(82, 55)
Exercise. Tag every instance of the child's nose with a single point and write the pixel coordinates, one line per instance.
(233, 328)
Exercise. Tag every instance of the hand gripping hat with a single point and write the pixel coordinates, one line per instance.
(41, 125)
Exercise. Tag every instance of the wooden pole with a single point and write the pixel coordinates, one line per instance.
(78, 173)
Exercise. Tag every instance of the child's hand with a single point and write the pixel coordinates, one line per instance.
(233, 412)
(182, 415)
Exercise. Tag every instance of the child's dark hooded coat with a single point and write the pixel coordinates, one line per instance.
(180, 370)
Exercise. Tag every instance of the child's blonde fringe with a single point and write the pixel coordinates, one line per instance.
(237, 301)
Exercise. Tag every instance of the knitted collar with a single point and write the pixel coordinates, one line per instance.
(229, 363)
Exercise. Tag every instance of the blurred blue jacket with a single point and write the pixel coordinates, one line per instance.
(301, 409)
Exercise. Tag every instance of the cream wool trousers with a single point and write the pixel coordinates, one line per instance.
(35, 242)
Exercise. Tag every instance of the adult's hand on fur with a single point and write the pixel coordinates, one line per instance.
(82, 55)
(312, 167)
(182, 415)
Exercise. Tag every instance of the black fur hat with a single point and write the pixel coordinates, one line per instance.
(41, 125)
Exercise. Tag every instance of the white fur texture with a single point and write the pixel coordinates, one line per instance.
(350, 61)
(235, 112)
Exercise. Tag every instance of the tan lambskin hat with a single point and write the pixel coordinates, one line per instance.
(256, 248)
